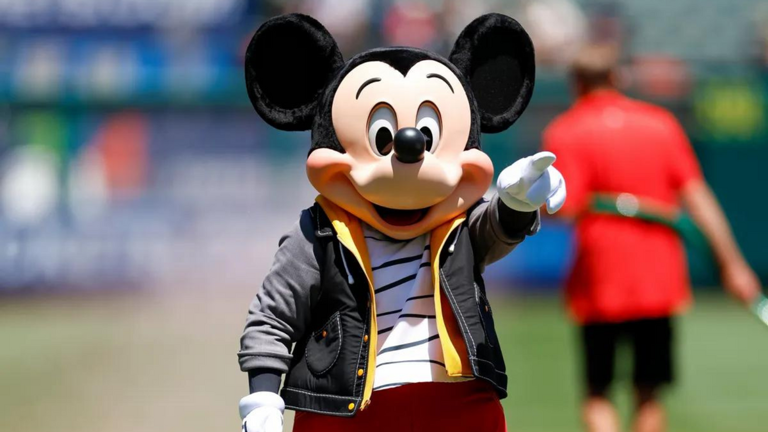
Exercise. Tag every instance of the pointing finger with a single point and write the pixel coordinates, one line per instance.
(541, 161)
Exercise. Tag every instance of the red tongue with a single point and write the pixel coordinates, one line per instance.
(400, 217)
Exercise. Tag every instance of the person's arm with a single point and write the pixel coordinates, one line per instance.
(264, 380)
(280, 312)
(736, 274)
(278, 316)
(495, 229)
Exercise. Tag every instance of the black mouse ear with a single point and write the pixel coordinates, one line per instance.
(495, 55)
(288, 63)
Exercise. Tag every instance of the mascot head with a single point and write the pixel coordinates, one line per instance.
(395, 131)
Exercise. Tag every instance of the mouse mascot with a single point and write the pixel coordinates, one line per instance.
(375, 308)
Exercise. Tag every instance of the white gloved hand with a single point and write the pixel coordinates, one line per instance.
(262, 412)
(530, 182)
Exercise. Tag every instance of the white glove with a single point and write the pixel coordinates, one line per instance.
(262, 412)
(530, 182)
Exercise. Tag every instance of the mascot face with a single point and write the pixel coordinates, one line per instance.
(395, 131)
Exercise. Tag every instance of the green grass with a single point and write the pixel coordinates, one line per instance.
(147, 363)
(722, 354)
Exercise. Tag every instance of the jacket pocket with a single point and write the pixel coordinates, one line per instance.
(486, 316)
(324, 346)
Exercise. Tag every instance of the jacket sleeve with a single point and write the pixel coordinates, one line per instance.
(280, 312)
(496, 229)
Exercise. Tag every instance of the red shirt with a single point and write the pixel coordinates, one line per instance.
(625, 269)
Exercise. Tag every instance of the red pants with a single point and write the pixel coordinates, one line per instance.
(425, 407)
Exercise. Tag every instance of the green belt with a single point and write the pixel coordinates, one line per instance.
(630, 206)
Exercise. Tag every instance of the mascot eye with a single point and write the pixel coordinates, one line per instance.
(428, 122)
(381, 130)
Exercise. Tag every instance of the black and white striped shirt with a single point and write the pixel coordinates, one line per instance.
(409, 349)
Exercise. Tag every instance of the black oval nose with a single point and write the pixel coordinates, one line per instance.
(410, 145)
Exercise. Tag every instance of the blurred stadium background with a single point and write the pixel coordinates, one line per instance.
(141, 200)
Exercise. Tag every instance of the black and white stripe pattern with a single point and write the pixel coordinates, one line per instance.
(409, 349)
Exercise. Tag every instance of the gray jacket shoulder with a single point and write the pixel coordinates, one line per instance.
(279, 313)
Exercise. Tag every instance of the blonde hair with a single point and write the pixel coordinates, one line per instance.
(594, 66)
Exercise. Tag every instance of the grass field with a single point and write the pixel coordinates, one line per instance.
(145, 363)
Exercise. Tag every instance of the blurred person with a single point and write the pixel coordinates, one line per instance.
(630, 276)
